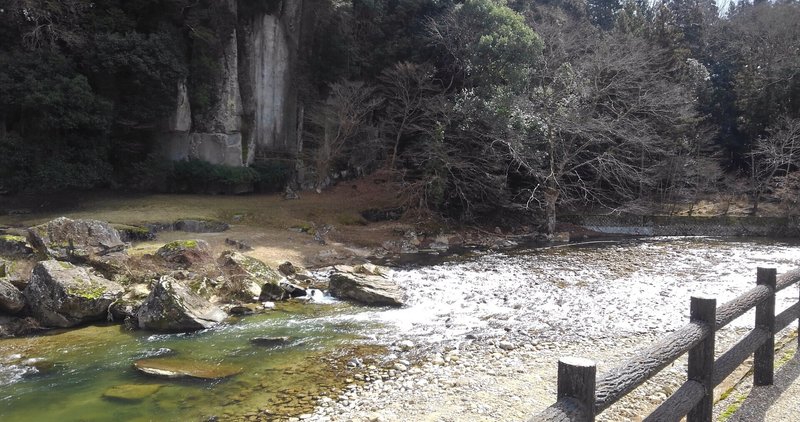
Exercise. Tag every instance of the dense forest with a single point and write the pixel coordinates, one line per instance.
(471, 107)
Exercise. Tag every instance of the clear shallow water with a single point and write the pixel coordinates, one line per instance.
(84, 363)
(568, 293)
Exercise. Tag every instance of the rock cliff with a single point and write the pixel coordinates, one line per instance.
(256, 108)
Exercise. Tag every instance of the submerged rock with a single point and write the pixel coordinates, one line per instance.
(174, 307)
(75, 240)
(174, 367)
(11, 299)
(270, 341)
(364, 285)
(63, 295)
(131, 392)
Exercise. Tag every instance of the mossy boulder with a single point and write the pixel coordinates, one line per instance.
(186, 253)
(173, 307)
(176, 367)
(61, 294)
(75, 240)
(245, 277)
(134, 233)
(14, 246)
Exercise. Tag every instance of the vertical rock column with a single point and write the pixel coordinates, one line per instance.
(217, 137)
(268, 72)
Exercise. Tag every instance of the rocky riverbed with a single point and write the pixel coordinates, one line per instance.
(480, 339)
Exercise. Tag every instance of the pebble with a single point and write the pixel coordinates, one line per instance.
(506, 345)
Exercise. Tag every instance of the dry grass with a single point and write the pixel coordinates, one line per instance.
(262, 221)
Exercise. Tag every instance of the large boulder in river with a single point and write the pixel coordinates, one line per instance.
(63, 295)
(249, 278)
(367, 285)
(173, 307)
(245, 276)
(11, 299)
(70, 240)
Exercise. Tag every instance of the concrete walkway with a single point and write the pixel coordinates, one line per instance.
(775, 403)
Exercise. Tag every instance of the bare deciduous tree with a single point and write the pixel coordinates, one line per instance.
(335, 124)
(604, 113)
(411, 100)
(777, 154)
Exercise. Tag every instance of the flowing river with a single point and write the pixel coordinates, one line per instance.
(569, 293)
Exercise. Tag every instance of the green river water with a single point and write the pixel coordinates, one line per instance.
(78, 366)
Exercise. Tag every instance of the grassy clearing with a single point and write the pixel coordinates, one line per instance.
(339, 206)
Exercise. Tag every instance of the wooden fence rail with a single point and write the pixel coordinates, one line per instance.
(582, 396)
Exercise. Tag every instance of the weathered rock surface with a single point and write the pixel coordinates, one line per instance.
(11, 299)
(131, 392)
(246, 276)
(63, 295)
(366, 285)
(14, 246)
(173, 307)
(186, 253)
(174, 367)
(75, 240)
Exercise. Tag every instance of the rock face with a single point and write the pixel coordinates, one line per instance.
(69, 240)
(172, 307)
(366, 285)
(11, 299)
(246, 276)
(256, 106)
(63, 295)
(269, 63)
(186, 253)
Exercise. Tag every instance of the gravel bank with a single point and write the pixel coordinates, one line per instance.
(481, 338)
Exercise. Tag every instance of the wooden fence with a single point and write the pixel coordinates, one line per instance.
(580, 397)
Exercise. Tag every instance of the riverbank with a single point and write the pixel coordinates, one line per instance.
(483, 331)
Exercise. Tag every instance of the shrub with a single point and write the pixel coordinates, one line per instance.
(273, 175)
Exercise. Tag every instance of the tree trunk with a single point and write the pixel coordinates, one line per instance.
(550, 197)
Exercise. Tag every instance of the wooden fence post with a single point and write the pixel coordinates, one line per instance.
(576, 379)
(701, 358)
(764, 357)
